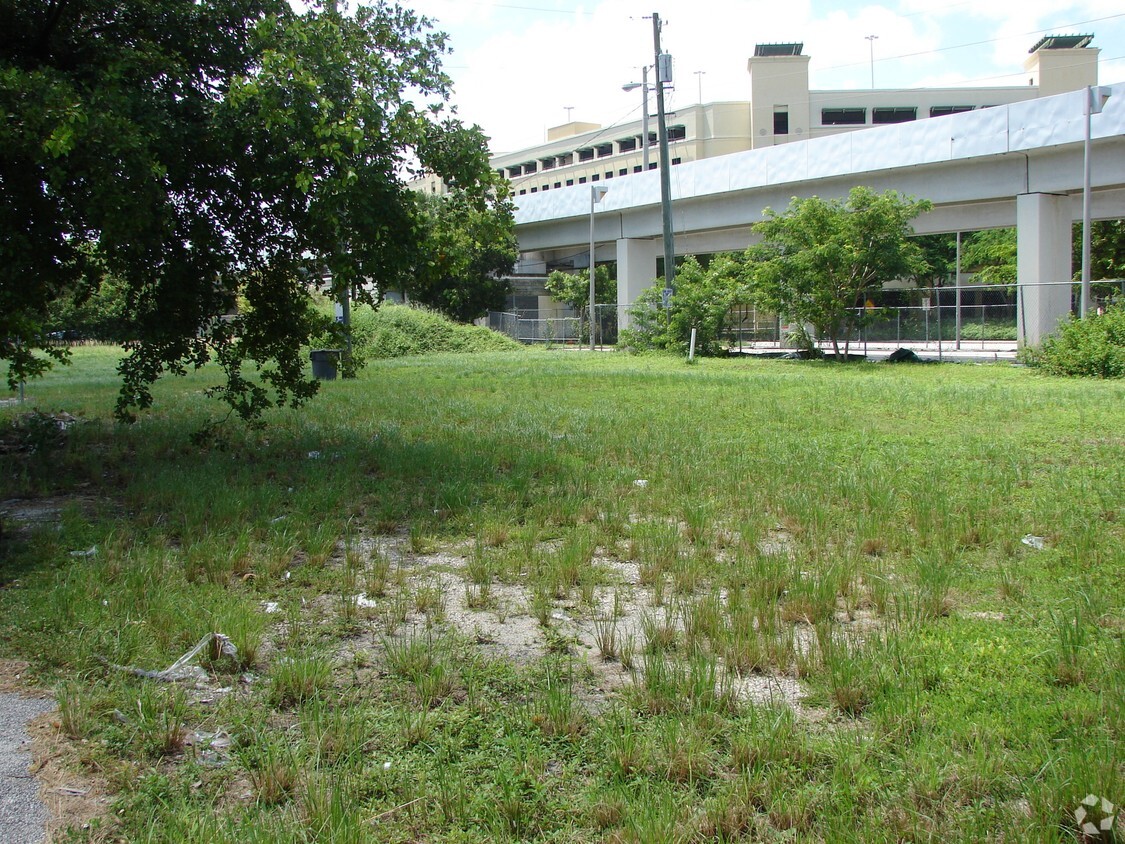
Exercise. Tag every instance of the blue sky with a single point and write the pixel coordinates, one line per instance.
(518, 64)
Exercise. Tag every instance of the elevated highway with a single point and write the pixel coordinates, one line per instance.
(1012, 165)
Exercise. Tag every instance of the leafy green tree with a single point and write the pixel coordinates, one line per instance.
(819, 259)
(702, 300)
(203, 151)
(991, 254)
(939, 251)
(468, 248)
(1107, 249)
(573, 290)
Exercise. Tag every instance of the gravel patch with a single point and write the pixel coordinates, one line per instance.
(23, 817)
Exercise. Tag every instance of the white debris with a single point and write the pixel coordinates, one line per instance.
(1036, 542)
(92, 551)
(641, 482)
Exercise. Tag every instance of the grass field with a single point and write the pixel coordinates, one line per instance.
(562, 597)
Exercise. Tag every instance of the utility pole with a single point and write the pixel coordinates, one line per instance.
(664, 76)
(699, 74)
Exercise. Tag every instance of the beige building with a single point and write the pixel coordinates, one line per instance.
(780, 108)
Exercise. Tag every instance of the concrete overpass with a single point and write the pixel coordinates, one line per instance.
(1018, 164)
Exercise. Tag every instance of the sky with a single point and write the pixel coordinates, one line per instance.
(517, 65)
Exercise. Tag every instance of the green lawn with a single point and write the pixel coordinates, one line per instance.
(554, 596)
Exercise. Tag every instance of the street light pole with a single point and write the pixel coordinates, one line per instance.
(643, 85)
(699, 74)
(596, 194)
(871, 45)
(1094, 102)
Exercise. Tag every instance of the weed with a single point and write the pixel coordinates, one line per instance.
(605, 637)
(298, 677)
(272, 766)
(1072, 632)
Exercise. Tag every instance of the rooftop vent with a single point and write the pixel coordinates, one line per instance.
(767, 50)
(1062, 42)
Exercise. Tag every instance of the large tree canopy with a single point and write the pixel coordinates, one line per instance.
(469, 247)
(819, 259)
(197, 151)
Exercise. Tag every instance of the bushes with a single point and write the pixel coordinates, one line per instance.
(702, 301)
(395, 331)
(1092, 347)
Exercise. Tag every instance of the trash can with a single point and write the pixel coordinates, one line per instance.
(324, 363)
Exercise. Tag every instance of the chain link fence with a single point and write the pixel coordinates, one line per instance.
(986, 314)
(559, 326)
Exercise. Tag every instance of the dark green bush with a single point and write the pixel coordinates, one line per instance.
(1093, 347)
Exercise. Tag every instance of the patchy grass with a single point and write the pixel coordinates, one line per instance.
(460, 617)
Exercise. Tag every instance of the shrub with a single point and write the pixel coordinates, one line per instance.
(400, 330)
(702, 301)
(1093, 347)
(395, 331)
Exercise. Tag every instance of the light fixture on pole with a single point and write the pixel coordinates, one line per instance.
(596, 194)
(699, 74)
(1095, 102)
(871, 45)
(643, 85)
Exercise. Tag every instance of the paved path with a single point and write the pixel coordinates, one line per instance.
(22, 816)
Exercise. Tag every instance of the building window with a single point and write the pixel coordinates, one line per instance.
(547, 163)
(624, 171)
(676, 133)
(942, 111)
(893, 115)
(586, 154)
(522, 192)
(604, 150)
(569, 182)
(596, 177)
(609, 175)
(780, 121)
(514, 171)
(626, 144)
(534, 190)
(565, 159)
(558, 184)
(843, 116)
(676, 160)
(530, 167)
(652, 165)
(637, 168)
(545, 187)
(652, 139)
(581, 180)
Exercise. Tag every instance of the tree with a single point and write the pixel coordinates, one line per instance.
(703, 298)
(1107, 249)
(991, 254)
(469, 245)
(818, 260)
(573, 290)
(202, 151)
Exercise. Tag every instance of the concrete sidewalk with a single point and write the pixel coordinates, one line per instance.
(986, 351)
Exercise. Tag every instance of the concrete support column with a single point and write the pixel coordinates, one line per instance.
(636, 271)
(1043, 268)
